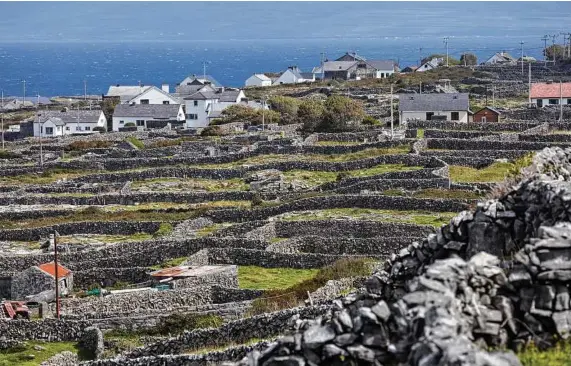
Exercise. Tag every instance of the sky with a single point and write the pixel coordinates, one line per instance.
(221, 21)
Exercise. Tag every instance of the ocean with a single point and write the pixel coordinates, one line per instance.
(55, 46)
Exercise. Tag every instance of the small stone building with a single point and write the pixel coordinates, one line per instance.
(487, 114)
(41, 278)
(192, 276)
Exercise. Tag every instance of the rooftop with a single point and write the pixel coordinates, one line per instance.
(126, 92)
(70, 116)
(550, 90)
(188, 271)
(50, 269)
(434, 102)
(158, 111)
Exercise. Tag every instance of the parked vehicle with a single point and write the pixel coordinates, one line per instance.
(15, 310)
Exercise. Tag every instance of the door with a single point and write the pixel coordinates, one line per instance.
(540, 103)
(483, 119)
(429, 116)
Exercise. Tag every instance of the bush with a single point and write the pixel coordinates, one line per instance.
(340, 113)
(256, 200)
(342, 175)
(287, 107)
(211, 131)
(99, 129)
(130, 124)
(164, 143)
(85, 145)
(5, 154)
(310, 113)
(371, 121)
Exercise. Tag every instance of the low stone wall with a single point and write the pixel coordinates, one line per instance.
(227, 277)
(83, 279)
(443, 134)
(50, 330)
(477, 154)
(474, 126)
(339, 201)
(94, 227)
(460, 144)
(349, 228)
(546, 138)
(261, 326)
(376, 185)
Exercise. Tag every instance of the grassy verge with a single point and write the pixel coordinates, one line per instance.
(136, 142)
(295, 295)
(556, 356)
(22, 356)
(411, 217)
(496, 172)
(260, 278)
(48, 176)
(170, 263)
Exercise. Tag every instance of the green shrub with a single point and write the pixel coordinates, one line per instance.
(5, 154)
(130, 124)
(371, 121)
(99, 129)
(211, 131)
(342, 175)
(256, 200)
(85, 145)
(164, 229)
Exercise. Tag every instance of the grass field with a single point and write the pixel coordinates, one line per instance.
(261, 278)
(496, 172)
(22, 356)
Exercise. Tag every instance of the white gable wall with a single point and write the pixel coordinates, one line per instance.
(255, 81)
(154, 96)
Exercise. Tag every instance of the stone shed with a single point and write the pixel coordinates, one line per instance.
(41, 278)
(192, 276)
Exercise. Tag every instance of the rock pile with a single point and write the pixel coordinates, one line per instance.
(271, 181)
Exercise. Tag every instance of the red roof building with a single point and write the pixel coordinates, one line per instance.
(550, 93)
(50, 269)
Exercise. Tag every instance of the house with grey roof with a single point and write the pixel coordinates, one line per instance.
(258, 80)
(201, 105)
(430, 64)
(453, 107)
(356, 67)
(293, 75)
(50, 123)
(194, 83)
(501, 58)
(147, 115)
(126, 92)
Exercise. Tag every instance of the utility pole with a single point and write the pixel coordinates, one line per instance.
(420, 88)
(85, 90)
(38, 115)
(419, 56)
(24, 97)
(544, 39)
(521, 43)
(446, 43)
(2, 106)
(204, 69)
(392, 118)
(322, 59)
(56, 275)
(553, 36)
(529, 89)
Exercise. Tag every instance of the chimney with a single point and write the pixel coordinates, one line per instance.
(165, 88)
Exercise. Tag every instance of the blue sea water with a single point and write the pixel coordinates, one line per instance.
(55, 46)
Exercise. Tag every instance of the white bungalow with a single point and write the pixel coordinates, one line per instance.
(258, 80)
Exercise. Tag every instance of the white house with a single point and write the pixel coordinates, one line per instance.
(258, 80)
(68, 122)
(500, 58)
(154, 95)
(442, 107)
(147, 115)
(549, 93)
(293, 75)
(201, 105)
(430, 65)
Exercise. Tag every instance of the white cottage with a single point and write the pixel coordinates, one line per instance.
(258, 80)
(147, 115)
(201, 105)
(442, 107)
(293, 75)
(154, 95)
(68, 122)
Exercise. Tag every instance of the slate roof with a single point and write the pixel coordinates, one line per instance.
(382, 64)
(228, 95)
(71, 116)
(551, 90)
(490, 109)
(351, 55)
(224, 96)
(262, 77)
(157, 111)
(202, 78)
(126, 93)
(434, 102)
(191, 89)
(56, 121)
(50, 269)
(306, 75)
(336, 66)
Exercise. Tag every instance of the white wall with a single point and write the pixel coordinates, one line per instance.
(286, 78)
(384, 73)
(565, 101)
(463, 115)
(72, 127)
(155, 97)
(200, 111)
(255, 81)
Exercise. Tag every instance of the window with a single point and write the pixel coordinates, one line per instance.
(553, 101)
(569, 101)
(140, 123)
(455, 116)
(87, 128)
(540, 102)
(77, 128)
(144, 101)
(49, 130)
(429, 116)
(196, 103)
(67, 128)
(166, 102)
(121, 122)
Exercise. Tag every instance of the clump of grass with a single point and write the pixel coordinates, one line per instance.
(164, 143)
(420, 133)
(295, 295)
(5, 154)
(18, 355)
(495, 172)
(173, 324)
(165, 228)
(136, 142)
(436, 193)
(175, 262)
(555, 356)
